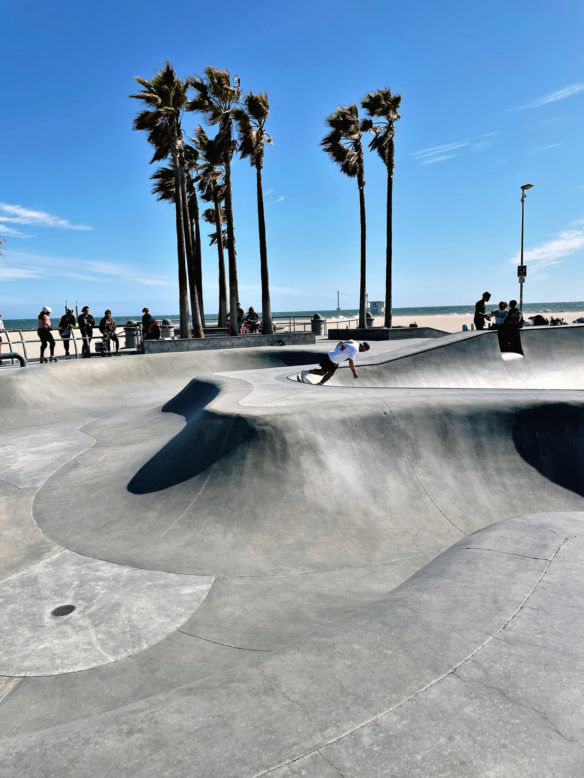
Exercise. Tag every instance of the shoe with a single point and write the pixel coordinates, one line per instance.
(303, 375)
(53, 359)
(43, 359)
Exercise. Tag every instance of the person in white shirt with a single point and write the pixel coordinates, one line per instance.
(345, 350)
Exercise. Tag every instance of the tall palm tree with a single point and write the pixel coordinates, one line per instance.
(344, 145)
(166, 94)
(252, 139)
(164, 188)
(216, 97)
(191, 164)
(383, 106)
(211, 172)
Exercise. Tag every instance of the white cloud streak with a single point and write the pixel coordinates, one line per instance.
(432, 160)
(553, 97)
(16, 214)
(553, 251)
(10, 232)
(103, 271)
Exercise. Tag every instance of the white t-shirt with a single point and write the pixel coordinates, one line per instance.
(348, 349)
(1, 324)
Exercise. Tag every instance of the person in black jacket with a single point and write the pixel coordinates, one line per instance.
(86, 324)
(65, 328)
(107, 327)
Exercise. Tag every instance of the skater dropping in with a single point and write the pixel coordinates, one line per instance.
(345, 350)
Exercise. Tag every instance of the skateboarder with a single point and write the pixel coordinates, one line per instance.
(345, 350)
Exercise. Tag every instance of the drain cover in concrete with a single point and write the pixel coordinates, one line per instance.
(70, 612)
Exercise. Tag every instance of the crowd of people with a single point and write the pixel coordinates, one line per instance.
(508, 320)
(108, 343)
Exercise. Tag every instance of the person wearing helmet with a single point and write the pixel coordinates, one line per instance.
(345, 350)
(45, 334)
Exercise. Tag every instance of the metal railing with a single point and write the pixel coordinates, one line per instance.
(17, 341)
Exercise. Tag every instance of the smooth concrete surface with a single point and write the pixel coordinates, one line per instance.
(222, 342)
(384, 333)
(394, 563)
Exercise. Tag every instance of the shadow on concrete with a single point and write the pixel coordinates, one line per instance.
(551, 439)
(206, 439)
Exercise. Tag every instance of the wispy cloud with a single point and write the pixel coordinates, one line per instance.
(278, 200)
(10, 232)
(552, 97)
(553, 251)
(16, 214)
(438, 153)
(434, 154)
(25, 265)
(432, 160)
(17, 273)
(548, 147)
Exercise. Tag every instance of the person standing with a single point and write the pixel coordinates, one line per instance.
(45, 334)
(509, 338)
(480, 313)
(500, 314)
(65, 328)
(86, 324)
(345, 350)
(107, 327)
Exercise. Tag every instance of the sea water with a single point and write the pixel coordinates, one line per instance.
(412, 312)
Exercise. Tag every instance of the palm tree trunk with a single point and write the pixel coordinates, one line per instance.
(222, 319)
(388, 246)
(194, 205)
(233, 286)
(267, 326)
(183, 298)
(190, 254)
(363, 283)
(191, 265)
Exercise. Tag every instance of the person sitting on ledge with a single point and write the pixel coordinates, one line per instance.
(345, 350)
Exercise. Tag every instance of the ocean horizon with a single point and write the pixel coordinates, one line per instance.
(327, 313)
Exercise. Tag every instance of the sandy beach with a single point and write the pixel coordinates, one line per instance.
(451, 322)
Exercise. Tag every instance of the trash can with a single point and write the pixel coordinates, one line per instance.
(369, 319)
(317, 324)
(131, 330)
(166, 329)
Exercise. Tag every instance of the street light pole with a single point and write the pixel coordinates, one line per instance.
(522, 270)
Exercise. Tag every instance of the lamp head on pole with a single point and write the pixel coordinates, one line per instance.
(524, 189)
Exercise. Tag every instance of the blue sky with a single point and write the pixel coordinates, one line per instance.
(492, 98)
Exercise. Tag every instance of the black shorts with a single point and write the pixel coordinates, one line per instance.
(328, 365)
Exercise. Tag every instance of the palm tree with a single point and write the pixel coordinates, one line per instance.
(382, 105)
(191, 164)
(344, 145)
(164, 188)
(252, 140)
(211, 171)
(215, 98)
(166, 94)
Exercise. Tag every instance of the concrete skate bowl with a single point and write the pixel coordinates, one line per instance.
(552, 359)
(371, 577)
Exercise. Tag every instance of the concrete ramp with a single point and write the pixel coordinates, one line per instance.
(553, 359)
(271, 578)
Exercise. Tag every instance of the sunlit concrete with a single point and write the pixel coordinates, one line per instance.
(380, 576)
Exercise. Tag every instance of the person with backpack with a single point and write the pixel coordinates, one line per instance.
(66, 324)
(45, 334)
(108, 327)
(86, 324)
(509, 338)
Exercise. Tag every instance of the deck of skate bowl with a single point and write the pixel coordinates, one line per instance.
(338, 522)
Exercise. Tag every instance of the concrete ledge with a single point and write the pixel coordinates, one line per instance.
(230, 341)
(385, 333)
